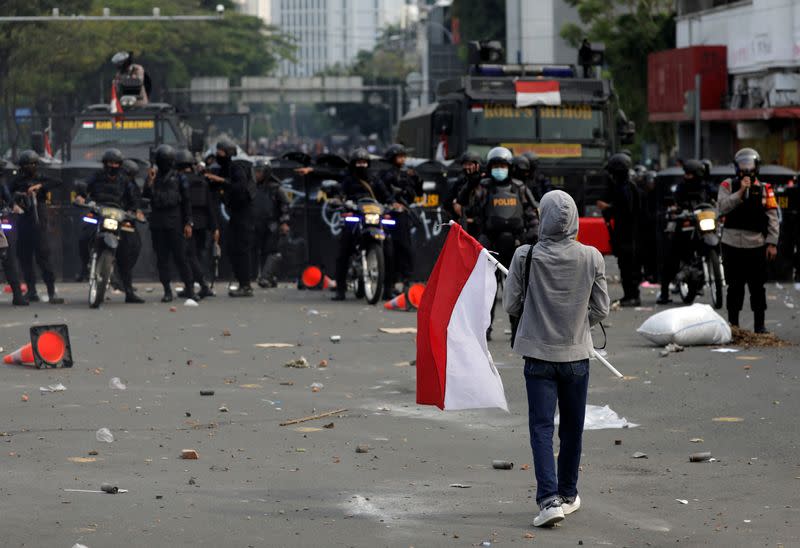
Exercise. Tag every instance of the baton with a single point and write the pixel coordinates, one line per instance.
(596, 354)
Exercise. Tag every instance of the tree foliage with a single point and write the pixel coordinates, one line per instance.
(630, 30)
(481, 19)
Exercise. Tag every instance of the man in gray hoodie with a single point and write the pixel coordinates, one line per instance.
(566, 294)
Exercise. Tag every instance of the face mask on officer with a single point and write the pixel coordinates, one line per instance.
(112, 168)
(500, 173)
(360, 169)
(29, 170)
(222, 159)
(620, 176)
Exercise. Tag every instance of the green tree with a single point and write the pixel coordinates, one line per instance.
(481, 19)
(630, 30)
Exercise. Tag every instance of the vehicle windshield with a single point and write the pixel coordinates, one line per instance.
(122, 132)
(570, 123)
(497, 122)
(506, 123)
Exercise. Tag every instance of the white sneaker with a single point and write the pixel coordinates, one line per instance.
(797, 286)
(550, 514)
(570, 505)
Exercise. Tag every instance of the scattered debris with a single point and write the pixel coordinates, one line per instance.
(190, 454)
(697, 440)
(328, 426)
(670, 348)
(727, 419)
(528, 536)
(682, 501)
(173, 309)
(398, 330)
(190, 303)
(322, 364)
(617, 442)
(116, 384)
(362, 448)
(223, 409)
(25, 397)
(110, 489)
(226, 333)
(460, 486)
(525, 467)
(104, 435)
(93, 452)
(52, 388)
(81, 460)
(299, 450)
(502, 465)
(700, 457)
(600, 418)
(287, 383)
(307, 429)
(206, 392)
(748, 339)
(299, 363)
(725, 350)
(313, 417)
(274, 345)
(639, 455)
(336, 339)
(316, 386)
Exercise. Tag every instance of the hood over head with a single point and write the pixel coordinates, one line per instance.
(558, 216)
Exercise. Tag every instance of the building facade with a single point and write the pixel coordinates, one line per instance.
(328, 32)
(762, 103)
(533, 32)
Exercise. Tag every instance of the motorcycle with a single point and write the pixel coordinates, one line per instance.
(367, 272)
(110, 222)
(701, 264)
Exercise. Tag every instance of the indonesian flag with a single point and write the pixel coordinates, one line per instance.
(454, 367)
(115, 106)
(540, 92)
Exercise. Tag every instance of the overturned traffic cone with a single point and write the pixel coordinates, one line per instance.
(327, 283)
(398, 303)
(49, 347)
(415, 294)
(313, 278)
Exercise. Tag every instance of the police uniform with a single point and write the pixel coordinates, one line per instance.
(271, 210)
(6, 255)
(32, 240)
(122, 192)
(239, 191)
(750, 224)
(404, 188)
(171, 211)
(505, 214)
(205, 221)
(627, 210)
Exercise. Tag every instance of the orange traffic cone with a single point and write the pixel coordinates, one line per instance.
(311, 277)
(21, 356)
(398, 303)
(23, 287)
(415, 294)
(327, 283)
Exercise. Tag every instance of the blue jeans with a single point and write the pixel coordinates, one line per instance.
(566, 383)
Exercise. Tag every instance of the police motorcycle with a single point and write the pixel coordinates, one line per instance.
(367, 271)
(110, 221)
(699, 233)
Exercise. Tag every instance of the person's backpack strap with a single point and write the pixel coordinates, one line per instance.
(527, 277)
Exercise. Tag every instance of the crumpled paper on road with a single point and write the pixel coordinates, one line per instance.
(602, 418)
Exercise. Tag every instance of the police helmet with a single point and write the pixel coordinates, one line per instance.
(394, 151)
(468, 157)
(747, 162)
(28, 157)
(184, 158)
(521, 164)
(708, 165)
(359, 154)
(619, 163)
(695, 168)
(165, 156)
(499, 155)
(122, 59)
(130, 168)
(533, 159)
(113, 156)
(228, 146)
(263, 165)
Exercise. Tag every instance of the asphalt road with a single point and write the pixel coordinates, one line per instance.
(260, 484)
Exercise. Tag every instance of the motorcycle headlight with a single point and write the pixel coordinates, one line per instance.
(707, 225)
(110, 224)
(372, 219)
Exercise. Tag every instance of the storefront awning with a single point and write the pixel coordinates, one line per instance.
(732, 115)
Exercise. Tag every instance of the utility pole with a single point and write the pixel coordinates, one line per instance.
(697, 121)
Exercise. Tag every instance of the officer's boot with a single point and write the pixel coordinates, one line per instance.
(167, 298)
(758, 322)
(733, 318)
(205, 290)
(53, 297)
(131, 296)
(32, 296)
(19, 299)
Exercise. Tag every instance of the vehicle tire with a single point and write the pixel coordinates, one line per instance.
(98, 283)
(714, 278)
(688, 291)
(374, 275)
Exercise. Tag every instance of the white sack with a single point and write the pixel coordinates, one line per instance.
(693, 325)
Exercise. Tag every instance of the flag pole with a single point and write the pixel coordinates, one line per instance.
(597, 355)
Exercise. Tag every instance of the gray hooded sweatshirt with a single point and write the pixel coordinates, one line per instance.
(567, 292)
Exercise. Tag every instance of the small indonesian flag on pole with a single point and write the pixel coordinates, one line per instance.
(543, 92)
(115, 106)
(454, 367)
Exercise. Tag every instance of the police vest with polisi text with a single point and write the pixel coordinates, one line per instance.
(166, 192)
(751, 214)
(503, 209)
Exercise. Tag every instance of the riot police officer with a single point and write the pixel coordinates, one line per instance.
(113, 186)
(622, 203)
(404, 185)
(239, 189)
(29, 191)
(205, 221)
(687, 195)
(470, 176)
(170, 221)
(271, 212)
(535, 180)
(466, 204)
(6, 256)
(356, 184)
(505, 209)
(750, 237)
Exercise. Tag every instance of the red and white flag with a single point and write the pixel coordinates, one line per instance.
(454, 367)
(115, 106)
(540, 92)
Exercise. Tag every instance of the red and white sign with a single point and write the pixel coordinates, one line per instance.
(454, 367)
(115, 106)
(87, 125)
(544, 92)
